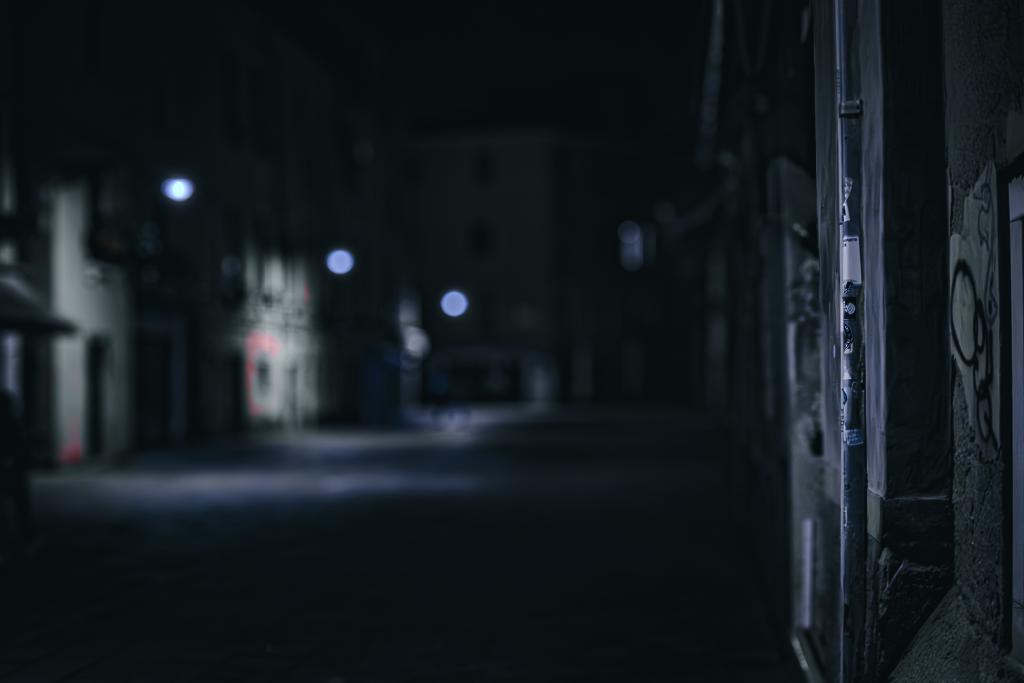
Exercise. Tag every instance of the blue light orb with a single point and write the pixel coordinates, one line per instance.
(340, 261)
(454, 303)
(177, 189)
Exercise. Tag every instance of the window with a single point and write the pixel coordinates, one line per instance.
(231, 264)
(110, 217)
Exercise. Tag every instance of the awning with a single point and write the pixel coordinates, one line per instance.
(23, 310)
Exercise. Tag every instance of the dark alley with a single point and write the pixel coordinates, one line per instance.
(388, 342)
(517, 547)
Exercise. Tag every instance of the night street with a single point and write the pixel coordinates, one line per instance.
(509, 546)
(500, 341)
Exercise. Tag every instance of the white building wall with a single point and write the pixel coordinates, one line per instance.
(95, 297)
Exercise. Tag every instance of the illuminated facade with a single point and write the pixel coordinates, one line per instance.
(184, 205)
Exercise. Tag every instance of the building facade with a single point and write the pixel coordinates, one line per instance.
(555, 241)
(203, 307)
(932, 510)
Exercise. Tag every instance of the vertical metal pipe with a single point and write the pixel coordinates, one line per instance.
(851, 330)
(712, 87)
(8, 58)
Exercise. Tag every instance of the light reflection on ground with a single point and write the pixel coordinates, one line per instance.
(595, 546)
(232, 487)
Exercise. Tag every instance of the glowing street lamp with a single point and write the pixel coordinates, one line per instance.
(341, 261)
(178, 189)
(454, 303)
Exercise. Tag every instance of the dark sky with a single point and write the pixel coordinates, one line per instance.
(618, 70)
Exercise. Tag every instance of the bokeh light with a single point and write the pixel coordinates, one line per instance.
(177, 189)
(340, 261)
(454, 303)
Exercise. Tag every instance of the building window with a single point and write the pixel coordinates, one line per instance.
(231, 265)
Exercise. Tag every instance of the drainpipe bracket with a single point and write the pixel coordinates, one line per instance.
(851, 108)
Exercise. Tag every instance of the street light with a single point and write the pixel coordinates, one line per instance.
(454, 303)
(341, 261)
(177, 189)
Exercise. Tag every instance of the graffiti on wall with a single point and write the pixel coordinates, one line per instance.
(974, 307)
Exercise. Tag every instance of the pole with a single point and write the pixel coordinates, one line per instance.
(851, 330)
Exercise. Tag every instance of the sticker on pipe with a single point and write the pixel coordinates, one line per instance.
(847, 191)
(849, 261)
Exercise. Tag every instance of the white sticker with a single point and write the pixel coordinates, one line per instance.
(849, 261)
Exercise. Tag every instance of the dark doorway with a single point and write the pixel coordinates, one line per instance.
(236, 389)
(96, 364)
(293, 396)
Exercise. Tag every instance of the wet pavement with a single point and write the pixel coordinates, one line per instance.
(593, 546)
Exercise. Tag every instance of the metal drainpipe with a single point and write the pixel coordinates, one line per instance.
(851, 328)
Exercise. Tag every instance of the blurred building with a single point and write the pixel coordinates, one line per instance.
(554, 241)
(180, 174)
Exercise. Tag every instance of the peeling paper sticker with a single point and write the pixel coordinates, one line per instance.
(847, 190)
(849, 261)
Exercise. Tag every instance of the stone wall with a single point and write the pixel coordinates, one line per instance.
(967, 637)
